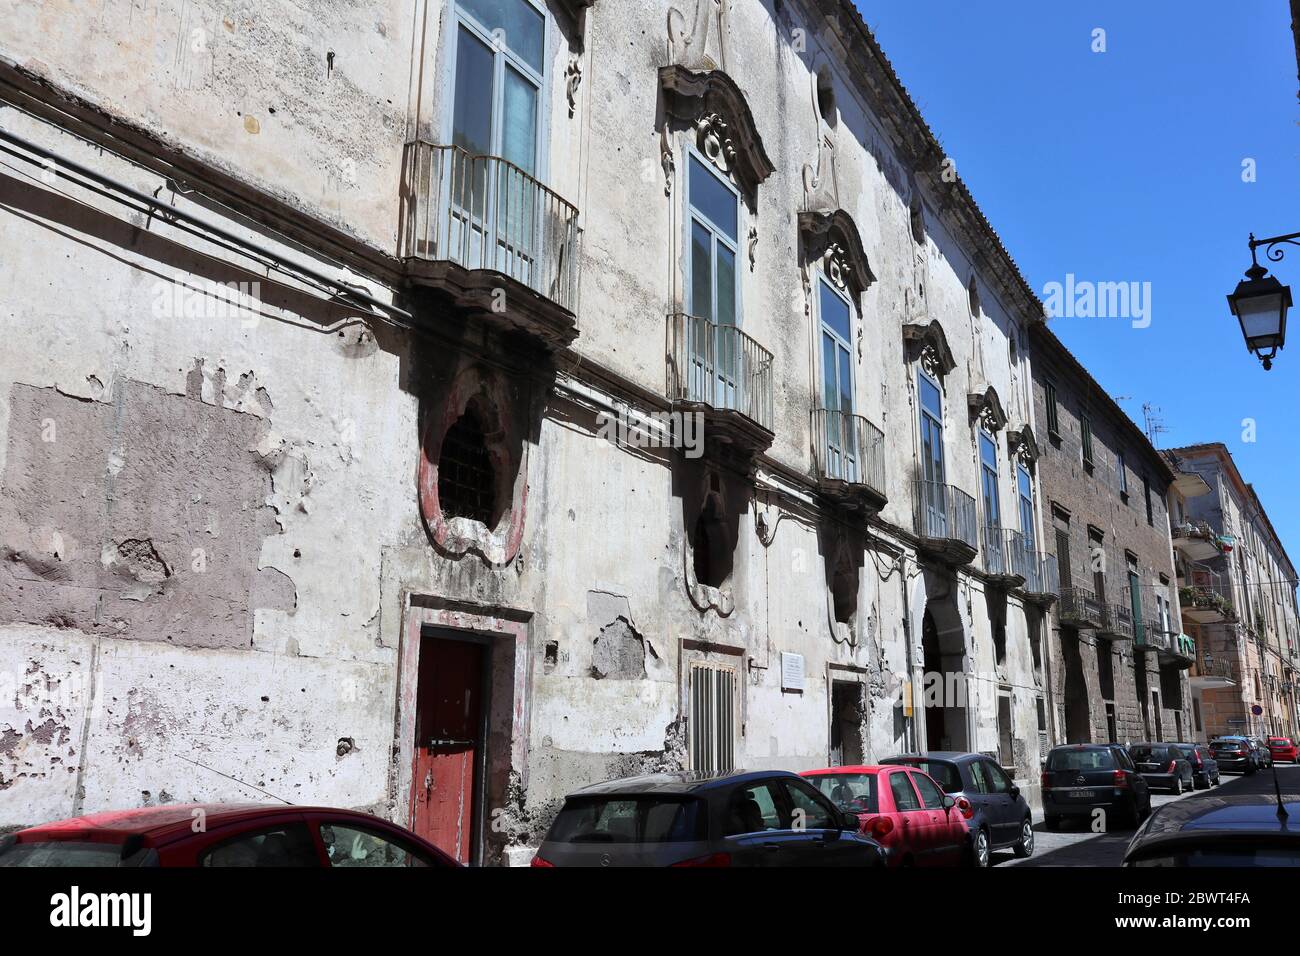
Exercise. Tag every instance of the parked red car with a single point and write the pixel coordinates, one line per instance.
(1282, 748)
(220, 835)
(903, 809)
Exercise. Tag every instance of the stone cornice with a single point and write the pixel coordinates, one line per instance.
(833, 239)
(714, 105)
(922, 153)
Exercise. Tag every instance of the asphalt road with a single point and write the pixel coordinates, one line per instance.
(1077, 845)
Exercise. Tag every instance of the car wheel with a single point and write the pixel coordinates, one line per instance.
(1025, 845)
(1052, 823)
(1216, 779)
(979, 853)
(1178, 787)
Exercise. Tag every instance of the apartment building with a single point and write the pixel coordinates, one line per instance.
(1238, 589)
(436, 405)
(1120, 662)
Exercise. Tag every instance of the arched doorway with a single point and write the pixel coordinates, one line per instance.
(944, 690)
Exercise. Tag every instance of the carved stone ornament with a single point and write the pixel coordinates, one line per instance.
(753, 247)
(699, 42)
(831, 241)
(987, 407)
(572, 80)
(929, 345)
(714, 110)
(820, 185)
(1022, 445)
(713, 140)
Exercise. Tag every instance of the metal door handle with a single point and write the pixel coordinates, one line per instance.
(771, 847)
(450, 743)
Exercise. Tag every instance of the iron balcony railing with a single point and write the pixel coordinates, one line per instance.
(1008, 553)
(848, 448)
(1153, 635)
(720, 366)
(1080, 608)
(945, 513)
(1046, 578)
(1117, 623)
(486, 213)
(1217, 668)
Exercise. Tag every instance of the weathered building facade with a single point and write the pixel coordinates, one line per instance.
(1120, 662)
(1238, 590)
(433, 406)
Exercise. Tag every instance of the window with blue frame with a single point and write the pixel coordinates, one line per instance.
(837, 380)
(933, 503)
(713, 284)
(496, 111)
(989, 480)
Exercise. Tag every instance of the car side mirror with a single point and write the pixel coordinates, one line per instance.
(850, 822)
(1014, 791)
(948, 803)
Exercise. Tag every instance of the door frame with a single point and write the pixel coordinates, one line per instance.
(430, 618)
(478, 796)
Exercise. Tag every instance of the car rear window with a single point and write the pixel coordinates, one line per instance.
(61, 853)
(1080, 760)
(1231, 746)
(1145, 753)
(630, 819)
(1280, 741)
(855, 792)
(945, 774)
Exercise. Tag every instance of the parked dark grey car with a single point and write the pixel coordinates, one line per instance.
(1237, 830)
(1080, 779)
(1205, 769)
(760, 818)
(1234, 755)
(1164, 766)
(999, 817)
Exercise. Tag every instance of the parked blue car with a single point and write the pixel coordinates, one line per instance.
(996, 813)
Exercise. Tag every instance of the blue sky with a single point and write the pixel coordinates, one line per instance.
(1127, 166)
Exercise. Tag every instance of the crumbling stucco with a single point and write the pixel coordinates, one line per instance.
(142, 517)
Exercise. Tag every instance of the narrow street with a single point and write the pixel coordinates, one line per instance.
(1078, 846)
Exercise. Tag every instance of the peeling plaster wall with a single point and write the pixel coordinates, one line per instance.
(301, 439)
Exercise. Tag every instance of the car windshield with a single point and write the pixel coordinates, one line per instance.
(61, 853)
(849, 791)
(945, 774)
(629, 819)
(1080, 760)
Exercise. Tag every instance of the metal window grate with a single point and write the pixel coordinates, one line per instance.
(713, 718)
(466, 481)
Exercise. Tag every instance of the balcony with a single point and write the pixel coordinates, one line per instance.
(1216, 672)
(1007, 560)
(1080, 608)
(1117, 623)
(1044, 585)
(945, 522)
(1181, 652)
(1206, 604)
(499, 243)
(1152, 636)
(721, 373)
(1196, 541)
(849, 455)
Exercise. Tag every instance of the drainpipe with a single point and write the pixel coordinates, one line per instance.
(909, 725)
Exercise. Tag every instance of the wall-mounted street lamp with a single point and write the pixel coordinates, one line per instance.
(1260, 302)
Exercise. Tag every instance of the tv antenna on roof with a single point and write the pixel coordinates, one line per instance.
(1155, 425)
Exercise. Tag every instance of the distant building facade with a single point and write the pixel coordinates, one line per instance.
(1120, 669)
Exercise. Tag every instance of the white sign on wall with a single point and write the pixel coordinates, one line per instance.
(791, 671)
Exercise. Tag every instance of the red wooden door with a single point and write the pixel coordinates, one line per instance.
(447, 729)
